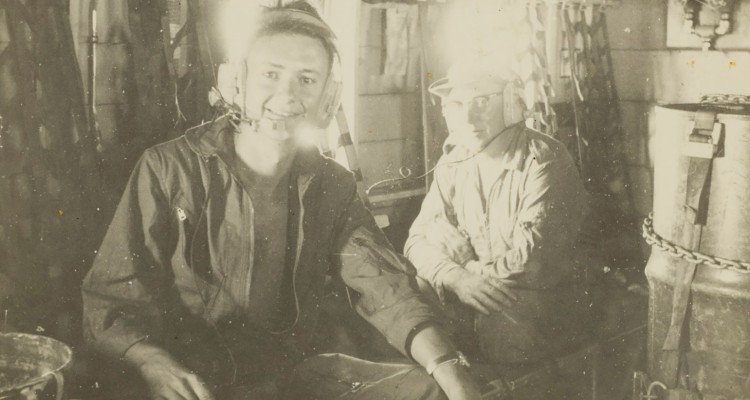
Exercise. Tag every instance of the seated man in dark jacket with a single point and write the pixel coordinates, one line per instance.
(497, 231)
(210, 279)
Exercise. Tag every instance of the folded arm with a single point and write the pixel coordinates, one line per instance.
(436, 246)
(548, 220)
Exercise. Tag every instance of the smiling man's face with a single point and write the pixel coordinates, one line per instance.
(286, 76)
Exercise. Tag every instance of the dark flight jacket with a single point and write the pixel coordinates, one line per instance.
(178, 255)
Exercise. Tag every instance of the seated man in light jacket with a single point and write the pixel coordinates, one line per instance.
(498, 227)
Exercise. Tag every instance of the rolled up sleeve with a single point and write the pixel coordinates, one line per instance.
(389, 297)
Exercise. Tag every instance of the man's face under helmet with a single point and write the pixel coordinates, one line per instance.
(471, 96)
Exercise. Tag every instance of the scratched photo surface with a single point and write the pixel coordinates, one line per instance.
(557, 185)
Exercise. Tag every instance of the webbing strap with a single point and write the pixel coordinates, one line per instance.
(701, 148)
(345, 142)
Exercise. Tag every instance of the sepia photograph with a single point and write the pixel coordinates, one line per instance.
(374, 199)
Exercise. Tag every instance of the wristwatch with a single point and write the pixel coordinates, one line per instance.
(455, 357)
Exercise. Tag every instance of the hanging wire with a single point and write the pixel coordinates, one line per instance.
(406, 172)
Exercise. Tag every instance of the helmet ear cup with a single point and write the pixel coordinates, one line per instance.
(329, 104)
(226, 77)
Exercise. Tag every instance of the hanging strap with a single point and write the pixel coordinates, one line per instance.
(345, 142)
(702, 147)
(579, 118)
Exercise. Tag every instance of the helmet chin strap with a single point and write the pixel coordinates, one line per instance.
(261, 126)
(265, 125)
(271, 128)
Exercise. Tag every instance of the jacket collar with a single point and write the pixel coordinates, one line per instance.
(512, 143)
(216, 138)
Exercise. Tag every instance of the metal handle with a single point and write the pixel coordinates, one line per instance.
(59, 383)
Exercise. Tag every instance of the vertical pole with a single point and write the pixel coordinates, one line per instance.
(93, 40)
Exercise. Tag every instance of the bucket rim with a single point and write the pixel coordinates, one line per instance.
(67, 357)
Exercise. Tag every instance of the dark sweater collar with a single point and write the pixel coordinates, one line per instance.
(216, 138)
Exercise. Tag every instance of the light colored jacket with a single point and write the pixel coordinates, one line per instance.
(524, 232)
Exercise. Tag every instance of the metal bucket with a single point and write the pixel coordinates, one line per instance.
(28, 363)
(715, 336)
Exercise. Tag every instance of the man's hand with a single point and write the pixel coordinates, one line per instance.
(166, 378)
(172, 382)
(484, 294)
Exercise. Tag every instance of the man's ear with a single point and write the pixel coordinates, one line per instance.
(513, 105)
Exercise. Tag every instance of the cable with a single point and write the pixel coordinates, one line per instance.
(405, 172)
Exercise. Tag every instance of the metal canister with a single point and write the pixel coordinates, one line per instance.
(701, 220)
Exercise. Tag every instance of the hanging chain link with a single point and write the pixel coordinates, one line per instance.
(675, 250)
(730, 99)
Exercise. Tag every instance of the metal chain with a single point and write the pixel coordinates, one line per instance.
(675, 250)
(730, 99)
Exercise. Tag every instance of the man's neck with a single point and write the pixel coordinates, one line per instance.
(268, 161)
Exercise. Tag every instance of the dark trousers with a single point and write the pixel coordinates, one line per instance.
(338, 376)
(321, 377)
(543, 324)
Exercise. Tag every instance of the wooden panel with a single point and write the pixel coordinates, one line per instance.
(389, 116)
(372, 78)
(371, 28)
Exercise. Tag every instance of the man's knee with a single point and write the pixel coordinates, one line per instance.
(339, 376)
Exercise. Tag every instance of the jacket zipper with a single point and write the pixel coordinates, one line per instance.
(248, 252)
(300, 238)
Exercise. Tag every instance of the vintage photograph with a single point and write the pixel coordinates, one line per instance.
(374, 199)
